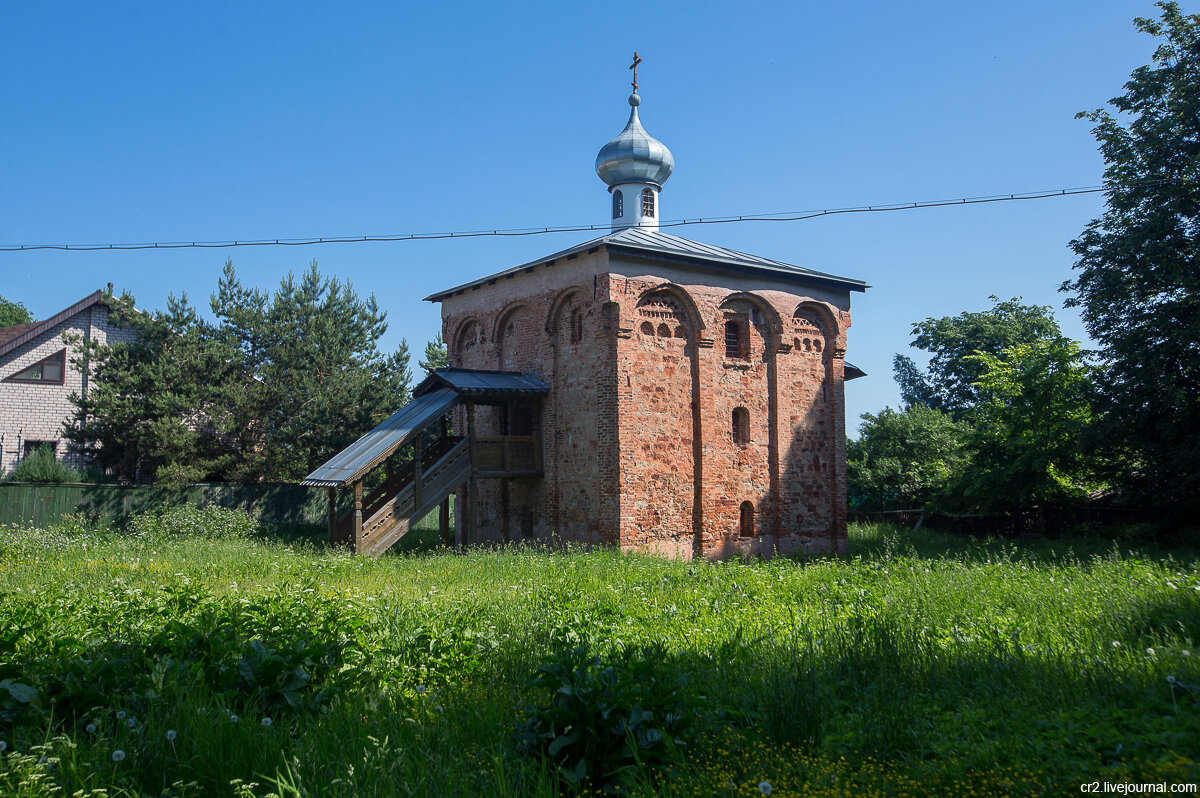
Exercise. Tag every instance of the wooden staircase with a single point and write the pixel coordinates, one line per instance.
(406, 496)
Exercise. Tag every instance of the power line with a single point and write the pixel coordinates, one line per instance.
(792, 216)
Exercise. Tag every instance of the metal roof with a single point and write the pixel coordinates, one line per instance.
(852, 372)
(353, 462)
(472, 383)
(634, 156)
(656, 244)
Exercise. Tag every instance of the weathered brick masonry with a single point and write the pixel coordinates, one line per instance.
(641, 448)
(695, 404)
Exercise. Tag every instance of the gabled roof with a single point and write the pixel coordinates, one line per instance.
(472, 383)
(27, 332)
(663, 246)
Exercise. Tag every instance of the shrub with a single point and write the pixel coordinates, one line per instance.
(42, 466)
(210, 522)
(607, 719)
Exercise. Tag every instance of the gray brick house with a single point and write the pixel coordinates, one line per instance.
(36, 378)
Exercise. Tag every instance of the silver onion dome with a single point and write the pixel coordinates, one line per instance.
(634, 156)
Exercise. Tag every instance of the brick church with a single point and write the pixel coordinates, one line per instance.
(638, 390)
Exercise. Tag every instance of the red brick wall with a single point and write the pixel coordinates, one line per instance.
(549, 323)
(639, 448)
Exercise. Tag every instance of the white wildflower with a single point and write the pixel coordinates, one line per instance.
(1171, 680)
(233, 718)
(129, 724)
(118, 755)
(90, 728)
(121, 714)
(171, 735)
(1150, 652)
(764, 787)
(1116, 644)
(265, 721)
(3, 746)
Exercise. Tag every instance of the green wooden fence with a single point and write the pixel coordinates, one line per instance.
(287, 505)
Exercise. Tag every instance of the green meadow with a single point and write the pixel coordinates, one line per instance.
(197, 654)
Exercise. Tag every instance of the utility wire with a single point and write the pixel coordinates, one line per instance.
(792, 216)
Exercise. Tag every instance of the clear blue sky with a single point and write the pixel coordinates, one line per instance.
(132, 122)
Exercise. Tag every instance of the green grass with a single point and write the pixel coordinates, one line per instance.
(919, 664)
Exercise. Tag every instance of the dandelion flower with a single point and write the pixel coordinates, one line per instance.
(1186, 653)
(129, 724)
(1150, 652)
(118, 755)
(90, 728)
(764, 787)
(121, 714)
(1116, 644)
(420, 689)
(3, 746)
(233, 718)
(1171, 680)
(265, 721)
(171, 735)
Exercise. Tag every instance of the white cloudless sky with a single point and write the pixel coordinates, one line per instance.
(142, 122)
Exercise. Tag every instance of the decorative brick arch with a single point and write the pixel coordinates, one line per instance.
(561, 302)
(506, 313)
(469, 325)
(774, 323)
(825, 321)
(677, 297)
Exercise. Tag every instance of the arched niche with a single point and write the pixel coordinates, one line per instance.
(467, 337)
(514, 337)
(568, 299)
(672, 307)
(755, 313)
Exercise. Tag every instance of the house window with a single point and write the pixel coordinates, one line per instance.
(29, 447)
(48, 371)
(741, 426)
(618, 204)
(735, 340)
(648, 203)
(747, 520)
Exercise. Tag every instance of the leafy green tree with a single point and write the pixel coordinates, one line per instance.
(1138, 272)
(436, 356)
(1026, 447)
(281, 383)
(949, 382)
(155, 405)
(13, 313)
(904, 459)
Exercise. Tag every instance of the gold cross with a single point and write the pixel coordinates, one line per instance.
(636, 60)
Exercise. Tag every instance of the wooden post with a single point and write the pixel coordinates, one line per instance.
(358, 519)
(444, 521)
(538, 465)
(417, 454)
(333, 530)
(468, 527)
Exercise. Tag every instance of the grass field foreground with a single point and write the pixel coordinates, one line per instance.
(195, 656)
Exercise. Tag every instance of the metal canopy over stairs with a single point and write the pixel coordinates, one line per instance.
(449, 464)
